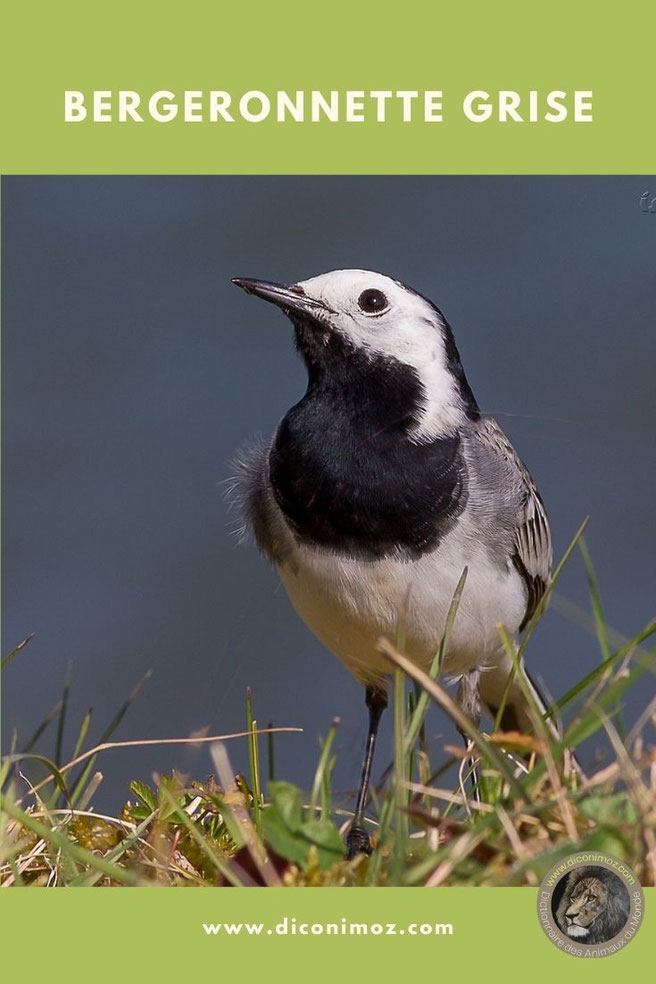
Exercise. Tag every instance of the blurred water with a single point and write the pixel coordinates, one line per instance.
(133, 370)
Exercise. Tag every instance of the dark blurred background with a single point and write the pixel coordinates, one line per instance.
(133, 370)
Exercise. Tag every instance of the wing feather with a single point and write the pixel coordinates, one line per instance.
(532, 550)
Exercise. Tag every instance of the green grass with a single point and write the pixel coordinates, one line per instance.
(232, 829)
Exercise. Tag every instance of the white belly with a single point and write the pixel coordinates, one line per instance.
(349, 604)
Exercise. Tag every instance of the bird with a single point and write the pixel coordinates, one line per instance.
(380, 486)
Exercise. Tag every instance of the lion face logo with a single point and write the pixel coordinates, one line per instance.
(587, 902)
(594, 906)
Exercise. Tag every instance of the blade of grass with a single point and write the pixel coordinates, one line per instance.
(588, 722)
(412, 703)
(547, 737)
(386, 812)
(81, 780)
(400, 764)
(600, 621)
(598, 671)
(55, 799)
(18, 878)
(55, 773)
(378, 856)
(583, 620)
(595, 601)
(326, 788)
(513, 656)
(446, 702)
(90, 791)
(6, 660)
(124, 708)
(61, 723)
(271, 753)
(417, 720)
(82, 733)
(5, 764)
(322, 765)
(535, 618)
(254, 763)
(48, 719)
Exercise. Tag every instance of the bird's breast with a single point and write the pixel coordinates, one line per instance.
(365, 491)
(349, 604)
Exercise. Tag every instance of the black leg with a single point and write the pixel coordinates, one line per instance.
(357, 839)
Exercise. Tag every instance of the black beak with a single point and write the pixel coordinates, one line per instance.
(289, 298)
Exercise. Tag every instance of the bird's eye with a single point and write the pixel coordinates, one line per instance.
(372, 301)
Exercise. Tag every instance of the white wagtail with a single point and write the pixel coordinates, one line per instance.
(381, 485)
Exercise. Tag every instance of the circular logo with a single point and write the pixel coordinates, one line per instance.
(590, 904)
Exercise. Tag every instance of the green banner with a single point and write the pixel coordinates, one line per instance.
(297, 934)
(285, 88)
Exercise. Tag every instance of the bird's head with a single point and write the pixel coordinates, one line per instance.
(361, 318)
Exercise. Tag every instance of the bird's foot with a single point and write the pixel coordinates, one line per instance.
(357, 842)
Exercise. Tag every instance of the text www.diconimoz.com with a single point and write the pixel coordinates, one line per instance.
(290, 926)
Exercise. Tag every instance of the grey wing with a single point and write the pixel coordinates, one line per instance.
(531, 537)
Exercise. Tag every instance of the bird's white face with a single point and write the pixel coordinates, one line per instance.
(377, 313)
(383, 317)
